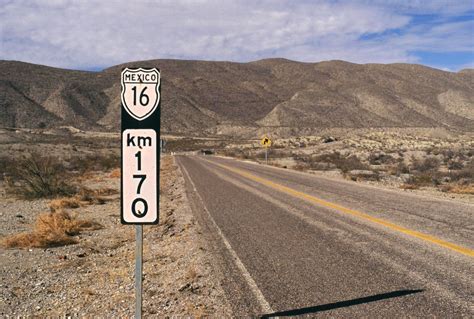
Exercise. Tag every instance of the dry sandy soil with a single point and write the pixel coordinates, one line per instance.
(94, 278)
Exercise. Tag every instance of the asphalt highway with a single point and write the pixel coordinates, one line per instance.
(293, 244)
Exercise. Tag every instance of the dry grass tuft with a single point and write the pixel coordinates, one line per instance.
(38, 240)
(197, 311)
(86, 196)
(63, 222)
(115, 173)
(106, 191)
(459, 189)
(51, 230)
(95, 196)
(86, 176)
(192, 274)
(409, 186)
(64, 202)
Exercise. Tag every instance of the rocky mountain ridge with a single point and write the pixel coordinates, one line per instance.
(209, 98)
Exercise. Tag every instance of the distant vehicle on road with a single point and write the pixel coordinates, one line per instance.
(207, 152)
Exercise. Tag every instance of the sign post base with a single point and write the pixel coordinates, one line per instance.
(138, 271)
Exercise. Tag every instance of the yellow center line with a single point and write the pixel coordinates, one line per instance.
(313, 199)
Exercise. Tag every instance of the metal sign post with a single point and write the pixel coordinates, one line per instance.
(140, 159)
(138, 271)
(162, 146)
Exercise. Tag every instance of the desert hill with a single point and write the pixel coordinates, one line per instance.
(201, 97)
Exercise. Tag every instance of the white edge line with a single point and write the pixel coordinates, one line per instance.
(266, 308)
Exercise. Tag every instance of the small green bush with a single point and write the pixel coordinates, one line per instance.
(455, 165)
(401, 168)
(421, 180)
(331, 160)
(466, 173)
(429, 164)
(379, 159)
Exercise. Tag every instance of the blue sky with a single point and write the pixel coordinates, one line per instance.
(91, 35)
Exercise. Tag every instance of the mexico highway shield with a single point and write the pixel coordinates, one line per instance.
(140, 92)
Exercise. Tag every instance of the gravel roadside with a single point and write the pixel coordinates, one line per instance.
(94, 278)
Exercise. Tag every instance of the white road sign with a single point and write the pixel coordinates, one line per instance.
(140, 176)
(140, 145)
(140, 158)
(140, 92)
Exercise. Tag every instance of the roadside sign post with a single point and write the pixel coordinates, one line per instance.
(162, 145)
(266, 143)
(138, 270)
(141, 92)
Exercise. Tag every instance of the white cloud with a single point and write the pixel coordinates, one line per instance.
(469, 65)
(84, 34)
(442, 7)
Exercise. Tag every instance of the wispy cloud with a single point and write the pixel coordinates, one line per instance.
(87, 34)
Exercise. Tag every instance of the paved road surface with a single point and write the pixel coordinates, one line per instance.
(289, 243)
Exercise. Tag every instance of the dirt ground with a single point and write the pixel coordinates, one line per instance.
(94, 278)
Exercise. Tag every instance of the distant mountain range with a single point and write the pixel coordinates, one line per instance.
(200, 97)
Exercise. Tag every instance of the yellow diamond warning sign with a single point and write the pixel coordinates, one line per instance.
(266, 142)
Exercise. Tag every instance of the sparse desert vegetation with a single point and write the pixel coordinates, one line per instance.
(36, 176)
(438, 161)
(52, 229)
(70, 236)
(65, 202)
